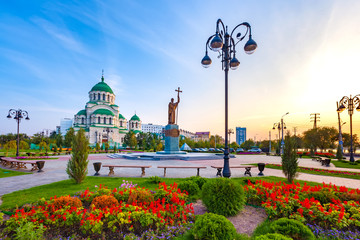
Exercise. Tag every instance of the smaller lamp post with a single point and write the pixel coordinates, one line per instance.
(18, 115)
(281, 126)
(350, 103)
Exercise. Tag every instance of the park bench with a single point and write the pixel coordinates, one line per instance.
(323, 161)
(197, 167)
(111, 168)
(12, 163)
(247, 169)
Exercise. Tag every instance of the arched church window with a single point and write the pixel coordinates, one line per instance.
(98, 96)
(136, 124)
(109, 120)
(104, 120)
(98, 119)
(132, 125)
(82, 121)
(104, 96)
(108, 98)
(121, 124)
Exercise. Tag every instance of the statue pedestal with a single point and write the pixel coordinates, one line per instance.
(172, 134)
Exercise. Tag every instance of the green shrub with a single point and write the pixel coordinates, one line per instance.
(213, 226)
(324, 196)
(29, 231)
(289, 161)
(190, 186)
(223, 196)
(274, 236)
(291, 228)
(77, 165)
(155, 179)
(200, 181)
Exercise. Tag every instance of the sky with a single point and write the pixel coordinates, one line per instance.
(53, 52)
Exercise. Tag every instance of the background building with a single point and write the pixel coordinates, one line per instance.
(240, 135)
(65, 124)
(202, 136)
(101, 118)
(151, 128)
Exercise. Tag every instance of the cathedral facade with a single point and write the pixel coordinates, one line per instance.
(101, 118)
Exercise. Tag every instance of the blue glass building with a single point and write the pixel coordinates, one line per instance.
(240, 135)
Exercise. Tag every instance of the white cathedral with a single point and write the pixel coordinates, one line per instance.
(101, 118)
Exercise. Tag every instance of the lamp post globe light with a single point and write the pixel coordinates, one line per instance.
(350, 103)
(225, 44)
(18, 115)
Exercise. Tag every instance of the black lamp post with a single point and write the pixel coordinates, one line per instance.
(18, 115)
(224, 43)
(350, 103)
(281, 126)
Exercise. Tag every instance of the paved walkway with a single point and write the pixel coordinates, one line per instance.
(54, 171)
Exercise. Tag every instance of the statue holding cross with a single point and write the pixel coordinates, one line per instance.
(173, 107)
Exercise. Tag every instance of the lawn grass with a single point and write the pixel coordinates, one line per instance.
(320, 171)
(346, 164)
(66, 187)
(9, 173)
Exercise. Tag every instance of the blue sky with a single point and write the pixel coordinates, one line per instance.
(53, 52)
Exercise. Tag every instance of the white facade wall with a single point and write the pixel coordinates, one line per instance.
(151, 128)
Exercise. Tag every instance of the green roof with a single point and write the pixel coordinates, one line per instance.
(81, 112)
(103, 112)
(121, 116)
(102, 87)
(135, 118)
(114, 105)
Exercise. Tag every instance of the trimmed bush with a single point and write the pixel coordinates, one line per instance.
(138, 195)
(274, 236)
(104, 201)
(223, 196)
(292, 228)
(67, 201)
(214, 227)
(200, 181)
(190, 186)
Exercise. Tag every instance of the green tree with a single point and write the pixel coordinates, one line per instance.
(24, 145)
(59, 140)
(42, 145)
(69, 137)
(248, 144)
(130, 139)
(289, 159)
(106, 146)
(78, 163)
(54, 147)
(97, 146)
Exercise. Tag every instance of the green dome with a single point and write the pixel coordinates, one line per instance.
(102, 87)
(121, 116)
(81, 112)
(135, 118)
(103, 112)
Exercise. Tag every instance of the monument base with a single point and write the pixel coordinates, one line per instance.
(172, 134)
(171, 152)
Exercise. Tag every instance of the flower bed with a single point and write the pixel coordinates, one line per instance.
(327, 206)
(319, 154)
(320, 171)
(127, 210)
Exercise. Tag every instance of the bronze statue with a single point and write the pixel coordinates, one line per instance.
(173, 107)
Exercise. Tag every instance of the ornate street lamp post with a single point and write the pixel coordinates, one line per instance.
(281, 125)
(224, 43)
(278, 126)
(350, 103)
(18, 115)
